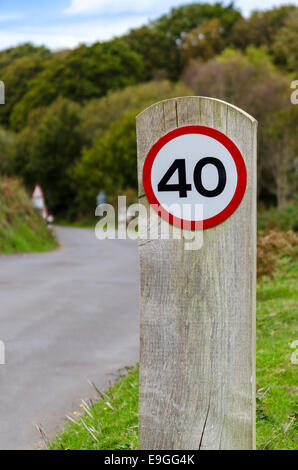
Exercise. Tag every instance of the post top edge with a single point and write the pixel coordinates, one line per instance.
(247, 115)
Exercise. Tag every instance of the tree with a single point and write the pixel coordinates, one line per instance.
(17, 76)
(285, 46)
(98, 114)
(159, 52)
(183, 19)
(205, 41)
(7, 56)
(47, 150)
(84, 73)
(261, 28)
(159, 42)
(7, 146)
(110, 164)
(282, 137)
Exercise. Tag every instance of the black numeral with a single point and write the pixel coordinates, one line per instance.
(181, 186)
(222, 177)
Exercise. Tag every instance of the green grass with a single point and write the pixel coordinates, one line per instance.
(113, 423)
(279, 218)
(22, 237)
(277, 312)
(21, 227)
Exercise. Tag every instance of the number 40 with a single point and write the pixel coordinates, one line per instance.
(182, 187)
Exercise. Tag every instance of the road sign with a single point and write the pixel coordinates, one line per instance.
(38, 198)
(37, 193)
(44, 213)
(101, 198)
(191, 166)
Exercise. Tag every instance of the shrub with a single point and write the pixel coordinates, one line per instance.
(271, 247)
(280, 218)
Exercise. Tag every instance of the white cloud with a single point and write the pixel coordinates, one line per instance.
(109, 7)
(70, 35)
(246, 6)
(82, 6)
(155, 7)
(79, 6)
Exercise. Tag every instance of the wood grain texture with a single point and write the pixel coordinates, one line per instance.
(197, 364)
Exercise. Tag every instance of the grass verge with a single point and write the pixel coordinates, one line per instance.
(21, 227)
(113, 420)
(110, 423)
(277, 312)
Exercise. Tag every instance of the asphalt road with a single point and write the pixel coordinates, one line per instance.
(65, 317)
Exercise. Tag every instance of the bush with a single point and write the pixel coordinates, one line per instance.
(109, 165)
(99, 114)
(47, 150)
(7, 146)
(273, 246)
(280, 218)
(83, 73)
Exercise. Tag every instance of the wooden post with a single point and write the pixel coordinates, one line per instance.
(2, 92)
(197, 364)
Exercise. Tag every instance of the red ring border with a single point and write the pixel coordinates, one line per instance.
(240, 167)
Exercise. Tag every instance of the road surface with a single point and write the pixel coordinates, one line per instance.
(65, 317)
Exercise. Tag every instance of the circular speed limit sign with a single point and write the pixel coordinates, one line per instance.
(194, 166)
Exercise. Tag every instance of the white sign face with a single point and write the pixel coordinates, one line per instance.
(38, 197)
(37, 193)
(190, 167)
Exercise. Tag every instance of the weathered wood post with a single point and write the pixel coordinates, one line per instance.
(2, 92)
(197, 364)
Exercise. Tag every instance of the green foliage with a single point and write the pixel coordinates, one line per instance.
(111, 161)
(7, 146)
(47, 150)
(276, 29)
(187, 17)
(204, 41)
(261, 27)
(281, 135)
(21, 227)
(258, 57)
(110, 164)
(113, 421)
(159, 42)
(7, 56)
(84, 73)
(159, 52)
(98, 115)
(285, 47)
(279, 218)
(17, 76)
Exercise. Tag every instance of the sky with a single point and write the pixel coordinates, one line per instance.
(62, 24)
